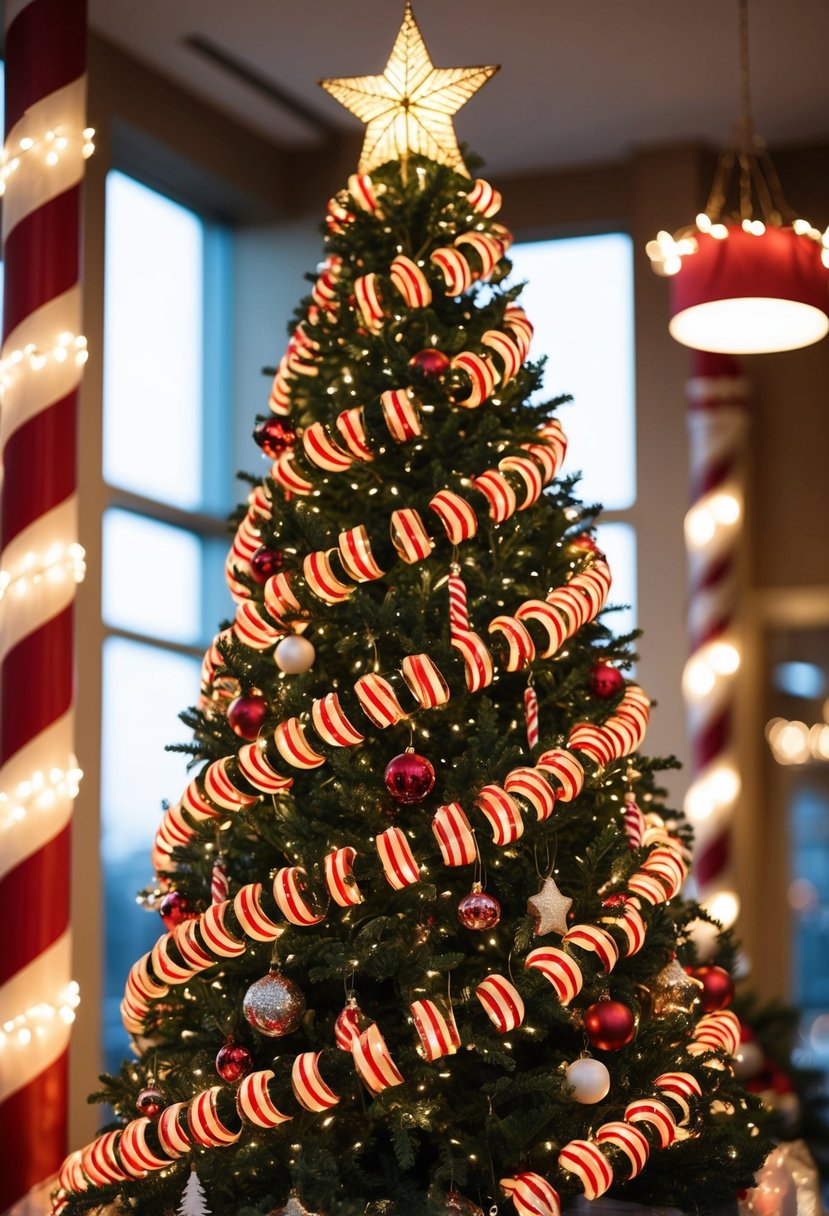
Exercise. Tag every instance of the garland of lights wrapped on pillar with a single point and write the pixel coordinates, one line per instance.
(383, 953)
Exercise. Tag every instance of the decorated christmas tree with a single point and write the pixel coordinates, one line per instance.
(425, 950)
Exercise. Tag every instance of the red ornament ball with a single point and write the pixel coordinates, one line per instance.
(606, 681)
(609, 1025)
(150, 1102)
(246, 714)
(233, 1062)
(430, 362)
(409, 777)
(274, 436)
(585, 544)
(174, 908)
(479, 909)
(264, 563)
(274, 1005)
(717, 987)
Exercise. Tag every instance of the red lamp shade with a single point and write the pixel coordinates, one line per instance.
(748, 294)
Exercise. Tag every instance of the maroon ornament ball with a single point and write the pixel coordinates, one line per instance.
(274, 1005)
(150, 1102)
(233, 1062)
(609, 1025)
(479, 909)
(264, 563)
(717, 987)
(430, 362)
(409, 777)
(246, 714)
(606, 681)
(174, 908)
(274, 436)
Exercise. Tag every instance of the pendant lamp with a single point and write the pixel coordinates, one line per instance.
(747, 277)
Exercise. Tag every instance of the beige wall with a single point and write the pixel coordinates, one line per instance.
(276, 200)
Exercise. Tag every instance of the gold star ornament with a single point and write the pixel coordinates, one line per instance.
(409, 109)
(550, 908)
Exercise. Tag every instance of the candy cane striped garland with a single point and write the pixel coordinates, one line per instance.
(589, 1164)
(629, 1140)
(435, 1025)
(310, 1090)
(373, 1061)
(254, 1102)
(501, 1002)
(532, 1195)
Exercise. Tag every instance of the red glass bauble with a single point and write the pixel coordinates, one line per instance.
(233, 1062)
(409, 777)
(264, 563)
(246, 714)
(479, 909)
(174, 908)
(349, 1025)
(609, 1025)
(430, 362)
(150, 1102)
(585, 544)
(274, 1005)
(717, 987)
(274, 436)
(606, 681)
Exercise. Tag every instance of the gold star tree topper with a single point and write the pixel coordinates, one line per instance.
(409, 108)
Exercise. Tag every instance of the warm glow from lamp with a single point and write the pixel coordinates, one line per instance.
(755, 292)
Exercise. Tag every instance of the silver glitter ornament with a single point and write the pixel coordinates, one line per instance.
(274, 1005)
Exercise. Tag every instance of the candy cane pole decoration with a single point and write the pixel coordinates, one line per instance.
(42, 357)
(718, 423)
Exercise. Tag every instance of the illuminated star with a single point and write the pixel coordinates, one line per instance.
(550, 908)
(409, 108)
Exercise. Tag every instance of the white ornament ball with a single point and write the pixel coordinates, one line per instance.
(705, 937)
(748, 1061)
(590, 1080)
(294, 654)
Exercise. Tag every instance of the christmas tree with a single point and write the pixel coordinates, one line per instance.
(424, 946)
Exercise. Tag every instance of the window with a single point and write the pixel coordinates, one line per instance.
(579, 297)
(164, 540)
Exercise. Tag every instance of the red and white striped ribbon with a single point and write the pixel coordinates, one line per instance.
(289, 893)
(458, 604)
(247, 905)
(254, 767)
(347, 1026)
(369, 303)
(99, 1160)
(566, 769)
(454, 835)
(507, 351)
(718, 400)
(596, 940)
(520, 646)
(435, 1024)
(378, 700)
(341, 885)
(656, 1115)
(254, 1102)
(634, 821)
(559, 968)
(425, 681)
(456, 515)
(532, 1195)
(530, 472)
(488, 249)
(481, 375)
(331, 724)
(678, 1087)
(587, 1161)
(409, 536)
(484, 198)
(502, 1003)
(321, 450)
(476, 658)
(215, 934)
(498, 493)
(411, 282)
(397, 859)
(455, 269)
(629, 1140)
(531, 785)
(219, 882)
(400, 414)
(206, 1127)
(45, 54)
(373, 1061)
(502, 814)
(364, 192)
(351, 425)
(171, 1134)
(720, 1029)
(136, 1155)
(310, 1090)
(320, 577)
(632, 926)
(356, 556)
(293, 747)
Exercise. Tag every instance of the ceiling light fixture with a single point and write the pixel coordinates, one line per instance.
(748, 276)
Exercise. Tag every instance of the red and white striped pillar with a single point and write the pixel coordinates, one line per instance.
(41, 364)
(718, 426)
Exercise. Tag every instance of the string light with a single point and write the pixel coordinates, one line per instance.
(67, 346)
(36, 1021)
(54, 565)
(716, 790)
(50, 147)
(39, 793)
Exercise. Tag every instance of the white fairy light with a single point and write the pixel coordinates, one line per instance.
(53, 565)
(36, 1021)
(50, 147)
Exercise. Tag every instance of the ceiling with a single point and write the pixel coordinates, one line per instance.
(580, 82)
